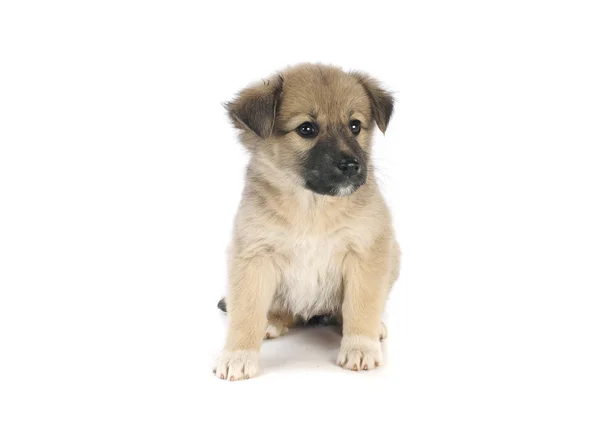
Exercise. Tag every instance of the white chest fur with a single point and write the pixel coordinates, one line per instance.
(312, 277)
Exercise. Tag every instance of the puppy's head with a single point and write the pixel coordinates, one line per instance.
(314, 123)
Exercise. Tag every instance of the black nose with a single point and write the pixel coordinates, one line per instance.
(349, 166)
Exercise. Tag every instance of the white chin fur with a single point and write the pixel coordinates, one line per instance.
(345, 191)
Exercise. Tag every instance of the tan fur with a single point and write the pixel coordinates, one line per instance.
(295, 253)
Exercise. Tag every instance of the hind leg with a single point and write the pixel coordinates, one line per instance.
(278, 324)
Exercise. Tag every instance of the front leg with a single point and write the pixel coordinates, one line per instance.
(251, 287)
(366, 280)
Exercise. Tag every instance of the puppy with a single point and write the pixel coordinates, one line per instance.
(312, 235)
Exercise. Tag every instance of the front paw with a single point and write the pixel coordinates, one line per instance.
(359, 353)
(235, 365)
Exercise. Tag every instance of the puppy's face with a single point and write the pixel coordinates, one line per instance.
(314, 123)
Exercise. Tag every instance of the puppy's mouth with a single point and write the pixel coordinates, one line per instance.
(331, 188)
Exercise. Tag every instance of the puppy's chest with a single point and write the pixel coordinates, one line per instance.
(312, 277)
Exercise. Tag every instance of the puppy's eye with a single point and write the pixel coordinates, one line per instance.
(355, 126)
(307, 130)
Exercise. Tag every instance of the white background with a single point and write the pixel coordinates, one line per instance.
(120, 176)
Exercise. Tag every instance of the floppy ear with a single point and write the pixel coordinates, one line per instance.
(254, 108)
(382, 101)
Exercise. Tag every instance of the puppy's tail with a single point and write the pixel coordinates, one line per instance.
(222, 305)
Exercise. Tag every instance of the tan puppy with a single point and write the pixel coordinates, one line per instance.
(313, 234)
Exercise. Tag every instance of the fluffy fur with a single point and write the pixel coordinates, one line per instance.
(305, 244)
